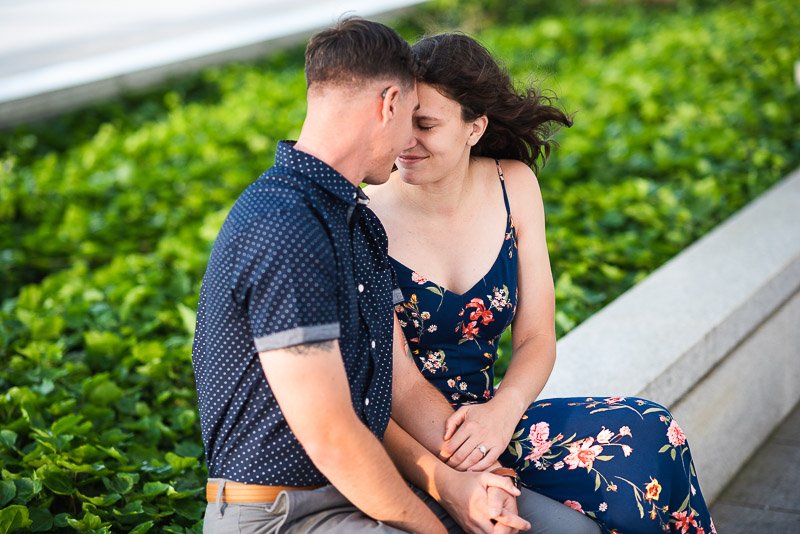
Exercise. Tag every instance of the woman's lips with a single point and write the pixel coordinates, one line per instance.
(409, 160)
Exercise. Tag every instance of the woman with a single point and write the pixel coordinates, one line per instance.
(624, 462)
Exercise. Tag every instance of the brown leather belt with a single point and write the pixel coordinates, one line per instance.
(236, 492)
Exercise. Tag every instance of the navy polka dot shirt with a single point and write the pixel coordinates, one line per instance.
(300, 259)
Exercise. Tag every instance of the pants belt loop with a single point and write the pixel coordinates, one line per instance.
(220, 504)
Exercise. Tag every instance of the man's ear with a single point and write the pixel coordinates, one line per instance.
(479, 126)
(390, 98)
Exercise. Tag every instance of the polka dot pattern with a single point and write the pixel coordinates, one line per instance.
(299, 259)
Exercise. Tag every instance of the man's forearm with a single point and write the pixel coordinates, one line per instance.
(370, 481)
(417, 464)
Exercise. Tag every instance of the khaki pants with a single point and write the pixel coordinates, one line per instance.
(326, 510)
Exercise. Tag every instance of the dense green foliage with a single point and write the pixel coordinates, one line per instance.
(683, 113)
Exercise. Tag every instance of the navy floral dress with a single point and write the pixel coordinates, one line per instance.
(622, 461)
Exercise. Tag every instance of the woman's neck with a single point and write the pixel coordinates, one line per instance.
(445, 197)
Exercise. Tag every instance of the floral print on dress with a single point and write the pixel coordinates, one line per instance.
(625, 462)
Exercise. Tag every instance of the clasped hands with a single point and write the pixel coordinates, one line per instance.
(474, 439)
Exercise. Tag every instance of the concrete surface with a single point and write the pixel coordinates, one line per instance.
(713, 334)
(56, 55)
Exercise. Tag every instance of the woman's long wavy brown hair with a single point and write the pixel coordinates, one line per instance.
(521, 123)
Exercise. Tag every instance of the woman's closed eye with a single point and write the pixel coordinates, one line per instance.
(425, 127)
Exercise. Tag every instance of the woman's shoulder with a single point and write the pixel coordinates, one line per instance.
(520, 181)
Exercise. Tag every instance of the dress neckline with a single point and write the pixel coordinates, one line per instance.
(443, 289)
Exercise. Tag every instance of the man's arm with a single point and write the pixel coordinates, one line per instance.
(310, 385)
(474, 500)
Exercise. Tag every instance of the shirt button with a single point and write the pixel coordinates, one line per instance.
(366, 401)
(360, 288)
(372, 344)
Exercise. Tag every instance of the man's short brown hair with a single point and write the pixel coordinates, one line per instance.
(357, 50)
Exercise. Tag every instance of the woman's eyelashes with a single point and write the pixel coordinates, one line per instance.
(424, 127)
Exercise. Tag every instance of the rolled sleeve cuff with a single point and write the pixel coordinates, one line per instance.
(297, 336)
(397, 296)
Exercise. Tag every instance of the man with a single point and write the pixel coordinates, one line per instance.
(293, 345)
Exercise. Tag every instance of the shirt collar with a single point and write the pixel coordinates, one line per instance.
(319, 172)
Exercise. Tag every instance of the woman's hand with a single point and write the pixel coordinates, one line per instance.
(475, 429)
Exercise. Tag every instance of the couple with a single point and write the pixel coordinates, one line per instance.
(318, 403)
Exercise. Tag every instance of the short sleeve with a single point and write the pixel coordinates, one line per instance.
(286, 280)
(397, 293)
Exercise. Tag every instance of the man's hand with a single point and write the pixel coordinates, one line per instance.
(482, 502)
(507, 504)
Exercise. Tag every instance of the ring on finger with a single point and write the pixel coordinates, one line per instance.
(483, 450)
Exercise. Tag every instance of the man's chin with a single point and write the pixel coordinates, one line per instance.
(377, 179)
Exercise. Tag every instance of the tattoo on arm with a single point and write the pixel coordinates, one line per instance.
(306, 348)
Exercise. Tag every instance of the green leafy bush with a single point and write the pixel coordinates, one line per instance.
(683, 113)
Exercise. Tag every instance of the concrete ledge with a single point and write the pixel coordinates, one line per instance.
(245, 32)
(704, 334)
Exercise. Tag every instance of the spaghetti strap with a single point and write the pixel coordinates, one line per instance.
(503, 185)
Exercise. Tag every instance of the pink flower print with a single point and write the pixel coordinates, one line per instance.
(487, 394)
(418, 278)
(675, 434)
(614, 400)
(425, 315)
(481, 313)
(603, 506)
(627, 450)
(683, 521)
(604, 436)
(625, 431)
(539, 438)
(582, 454)
(451, 383)
(558, 465)
(432, 328)
(575, 505)
(700, 530)
(462, 386)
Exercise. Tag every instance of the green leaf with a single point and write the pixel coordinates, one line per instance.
(672, 454)
(41, 519)
(7, 491)
(596, 481)
(105, 393)
(153, 489)
(605, 458)
(434, 290)
(13, 518)
(684, 504)
(101, 500)
(8, 438)
(188, 317)
(121, 483)
(71, 424)
(142, 528)
(180, 463)
(664, 448)
(27, 488)
(57, 481)
(88, 523)
(652, 410)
